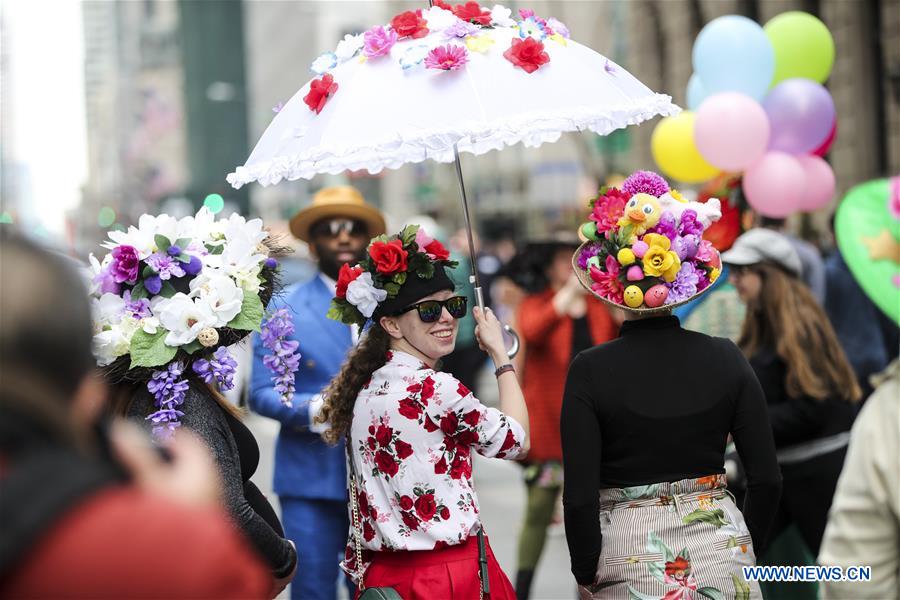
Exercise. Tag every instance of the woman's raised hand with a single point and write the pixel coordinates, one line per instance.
(489, 333)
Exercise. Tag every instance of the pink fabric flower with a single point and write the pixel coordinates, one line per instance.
(706, 251)
(606, 283)
(646, 182)
(378, 41)
(447, 58)
(608, 209)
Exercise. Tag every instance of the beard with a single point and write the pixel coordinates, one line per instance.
(329, 263)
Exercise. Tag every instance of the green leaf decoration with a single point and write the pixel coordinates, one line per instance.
(167, 290)
(214, 249)
(147, 272)
(633, 594)
(657, 571)
(711, 593)
(192, 347)
(150, 350)
(392, 289)
(162, 242)
(335, 313)
(183, 242)
(715, 517)
(741, 588)
(399, 278)
(185, 258)
(251, 315)
(655, 544)
(139, 291)
(685, 554)
(426, 271)
(408, 235)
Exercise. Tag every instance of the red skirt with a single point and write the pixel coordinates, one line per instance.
(450, 572)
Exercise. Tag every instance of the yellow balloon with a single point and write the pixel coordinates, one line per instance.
(674, 150)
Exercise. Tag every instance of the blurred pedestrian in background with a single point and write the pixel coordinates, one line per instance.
(812, 266)
(310, 476)
(84, 514)
(556, 321)
(809, 384)
(411, 430)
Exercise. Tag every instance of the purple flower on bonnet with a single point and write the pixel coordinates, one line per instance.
(686, 246)
(666, 226)
(125, 264)
(646, 182)
(587, 253)
(689, 223)
(685, 284)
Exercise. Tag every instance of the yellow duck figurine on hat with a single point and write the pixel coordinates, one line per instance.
(642, 212)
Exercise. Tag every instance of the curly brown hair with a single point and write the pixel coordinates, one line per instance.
(340, 395)
(787, 318)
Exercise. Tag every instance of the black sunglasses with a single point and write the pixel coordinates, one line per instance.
(430, 310)
(334, 227)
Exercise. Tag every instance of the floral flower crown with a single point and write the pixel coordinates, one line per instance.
(645, 248)
(173, 293)
(389, 262)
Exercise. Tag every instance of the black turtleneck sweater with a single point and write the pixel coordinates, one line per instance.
(654, 405)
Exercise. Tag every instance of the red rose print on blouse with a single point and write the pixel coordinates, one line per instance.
(410, 409)
(320, 90)
(386, 464)
(389, 257)
(527, 54)
(462, 390)
(509, 443)
(368, 531)
(410, 520)
(383, 435)
(403, 449)
(406, 503)
(425, 507)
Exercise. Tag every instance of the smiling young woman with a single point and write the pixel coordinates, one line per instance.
(411, 430)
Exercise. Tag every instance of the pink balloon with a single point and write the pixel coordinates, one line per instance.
(731, 131)
(774, 184)
(819, 183)
(829, 141)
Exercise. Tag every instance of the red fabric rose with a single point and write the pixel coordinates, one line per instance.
(527, 54)
(345, 276)
(472, 418)
(462, 390)
(442, 4)
(368, 531)
(426, 506)
(440, 467)
(389, 257)
(410, 409)
(410, 24)
(403, 449)
(410, 520)
(386, 464)
(384, 434)
(445, 513)
(472, 12)
(406, 503)
(319, 92)
(427, 390)
(430, 425)
(449, 423)
(437, 250)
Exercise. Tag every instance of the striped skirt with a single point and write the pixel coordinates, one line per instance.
(682, 540)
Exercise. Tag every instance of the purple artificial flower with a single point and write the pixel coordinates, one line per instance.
(271, 263)
(685, 284)
(686, 246)
(610, 68)
(107, 283)
(461, 29)
(689, 223)
(666, 226)
(220, 369)
(173, 251)
(125, 264)
(138, 309)
(703, 281)
(168, 389)
(193, 267)
(153, 284)
(588, 252)
(165, 266)
(283, 359)
(646, 182)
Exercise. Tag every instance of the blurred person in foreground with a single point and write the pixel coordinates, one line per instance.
(169, 299)
(864, 523)
(88, 512)
(556, 321)
(646, 417)
(810, 386)
(310, 477)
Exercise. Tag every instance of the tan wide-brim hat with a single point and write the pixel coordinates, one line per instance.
(338, 201)
(584, 278)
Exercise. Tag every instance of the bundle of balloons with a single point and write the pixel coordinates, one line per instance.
(757, 105)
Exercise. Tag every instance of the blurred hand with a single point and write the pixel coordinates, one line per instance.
(574, 286)
(278, 585)
(489, 333)
(190, 477)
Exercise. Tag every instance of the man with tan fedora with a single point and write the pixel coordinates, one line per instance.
(310, 477)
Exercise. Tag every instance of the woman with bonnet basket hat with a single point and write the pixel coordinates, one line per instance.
(646, 417)
(168, 299)
(411, 430)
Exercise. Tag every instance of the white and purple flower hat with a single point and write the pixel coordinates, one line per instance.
(644, 249)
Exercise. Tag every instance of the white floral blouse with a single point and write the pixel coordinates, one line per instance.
(412, 435)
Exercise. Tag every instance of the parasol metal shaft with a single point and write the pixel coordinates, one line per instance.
(473, 277)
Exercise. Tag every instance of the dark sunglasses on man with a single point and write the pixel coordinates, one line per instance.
(430, 310)
(334, 227)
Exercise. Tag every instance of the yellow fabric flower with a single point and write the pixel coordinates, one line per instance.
(625, 257)
(677, 195)
(659, 261)
(559, 39)
(481, 43)
(670, 273)
(713, 275)
(659, 240)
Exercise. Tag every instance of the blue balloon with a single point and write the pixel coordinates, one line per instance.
(696, 92)
(733, 54)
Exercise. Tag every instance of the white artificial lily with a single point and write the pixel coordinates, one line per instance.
(349, 46)
(221, 293)
(501, 16)
(184, 318)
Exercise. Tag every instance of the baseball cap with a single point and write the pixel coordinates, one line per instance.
(764, 245)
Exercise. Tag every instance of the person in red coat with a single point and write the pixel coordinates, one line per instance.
(86, 513)
(555, 323)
